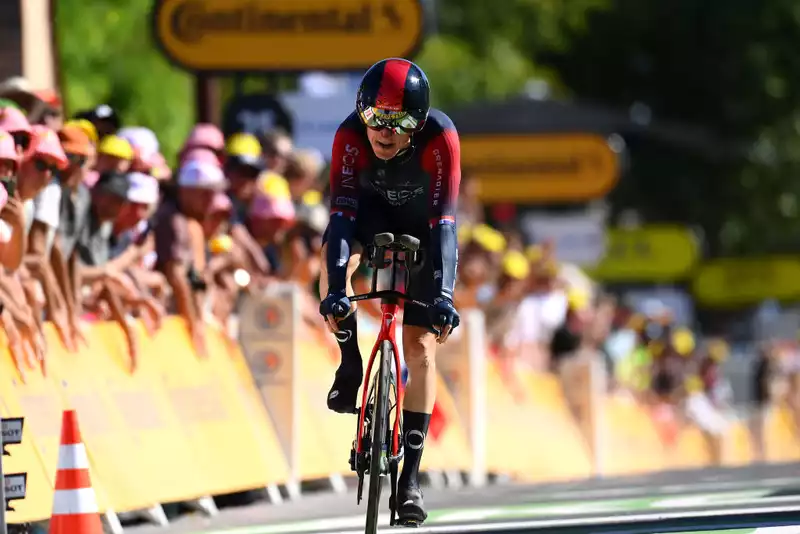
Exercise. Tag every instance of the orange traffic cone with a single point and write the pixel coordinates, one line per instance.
(74, 503)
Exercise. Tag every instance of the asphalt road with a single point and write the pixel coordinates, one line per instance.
(711, 500)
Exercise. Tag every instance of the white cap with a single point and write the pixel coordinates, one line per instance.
(202, 175)
(143, 188)
(142, 139)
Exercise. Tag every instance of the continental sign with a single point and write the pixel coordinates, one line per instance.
(745, 281)
(534, 168)
(653, 253)
(286, 35)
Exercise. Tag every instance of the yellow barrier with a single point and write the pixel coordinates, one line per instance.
(180, 427)
(536, 442)
(781, 441)
(628, 439)
(177, 429)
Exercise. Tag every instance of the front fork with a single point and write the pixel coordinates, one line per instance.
(358, 460)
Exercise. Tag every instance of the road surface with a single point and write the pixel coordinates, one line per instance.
(761, 499)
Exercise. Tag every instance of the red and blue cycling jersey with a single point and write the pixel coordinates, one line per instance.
(415, 192)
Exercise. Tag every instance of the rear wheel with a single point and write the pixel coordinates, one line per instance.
(379, 447)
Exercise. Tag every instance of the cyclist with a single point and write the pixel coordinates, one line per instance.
(395, 168)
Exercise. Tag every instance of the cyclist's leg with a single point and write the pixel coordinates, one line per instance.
(419, 351)
(343, 394)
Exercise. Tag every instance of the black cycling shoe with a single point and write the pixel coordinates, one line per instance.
(344, 391)
(410, 508)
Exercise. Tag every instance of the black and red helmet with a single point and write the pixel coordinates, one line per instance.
(394, 93)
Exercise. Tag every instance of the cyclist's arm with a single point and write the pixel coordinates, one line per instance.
(442, 161)
(347, 160)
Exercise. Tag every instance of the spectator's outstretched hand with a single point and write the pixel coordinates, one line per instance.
(123, 283)
(33, 342)
(14, 343)
(77, 331)
(62, 323)
(198, 334)
(133, 346)
(152, 315)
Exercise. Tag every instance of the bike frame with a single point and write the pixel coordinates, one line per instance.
(387, 333)
(390, 304)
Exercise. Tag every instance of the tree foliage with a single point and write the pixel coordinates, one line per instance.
(727, 67)
(107, 55)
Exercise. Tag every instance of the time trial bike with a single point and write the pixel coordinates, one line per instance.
(378, 448)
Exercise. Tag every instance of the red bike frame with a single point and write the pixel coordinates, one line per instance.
(387, 333)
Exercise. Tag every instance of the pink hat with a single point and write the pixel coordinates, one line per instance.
(13, 120)
(270, 207)
(8, 150)
(205, 135)
(46, 143)
(221, 203)
(202, 155)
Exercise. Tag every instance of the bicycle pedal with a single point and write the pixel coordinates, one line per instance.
(408, 523)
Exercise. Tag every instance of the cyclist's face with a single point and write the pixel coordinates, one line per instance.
(387, 143)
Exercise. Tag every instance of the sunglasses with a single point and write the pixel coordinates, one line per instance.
(76, 161)
(43, 166)
(21, 139)
(400, 122)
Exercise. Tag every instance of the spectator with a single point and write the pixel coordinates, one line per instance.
(205, 136)
(176, 227)
(269, 219)
(302, 172)
(132, 246)
(145, 147)
(277, 146)
(114, 154)
(104, 118)
(243, 165)
(303, 244)
(477, 273)
(74, 213)
(41, 197)
(14, 122)
(12, 217)
(501, 310)
(49, 112)
(540, 313)
(109, 285)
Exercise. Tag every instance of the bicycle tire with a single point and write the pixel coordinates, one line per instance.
(378, 455)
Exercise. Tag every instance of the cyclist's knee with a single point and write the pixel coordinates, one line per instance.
(419, 346)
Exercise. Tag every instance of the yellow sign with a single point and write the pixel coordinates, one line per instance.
(650, 254)
(736, 282)
(561, 167)
(286, 35)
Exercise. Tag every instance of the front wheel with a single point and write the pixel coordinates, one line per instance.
(379, 447)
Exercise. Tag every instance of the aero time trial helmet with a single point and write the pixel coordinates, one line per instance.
(394, 93)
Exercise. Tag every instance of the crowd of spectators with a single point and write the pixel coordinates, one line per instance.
(95, 224)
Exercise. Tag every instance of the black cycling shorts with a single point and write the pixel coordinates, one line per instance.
(375, 217)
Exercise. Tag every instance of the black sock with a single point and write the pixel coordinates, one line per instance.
(347, 337)
(415, 430)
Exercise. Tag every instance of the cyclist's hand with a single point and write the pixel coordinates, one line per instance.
(335, 307)
(445, 318)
